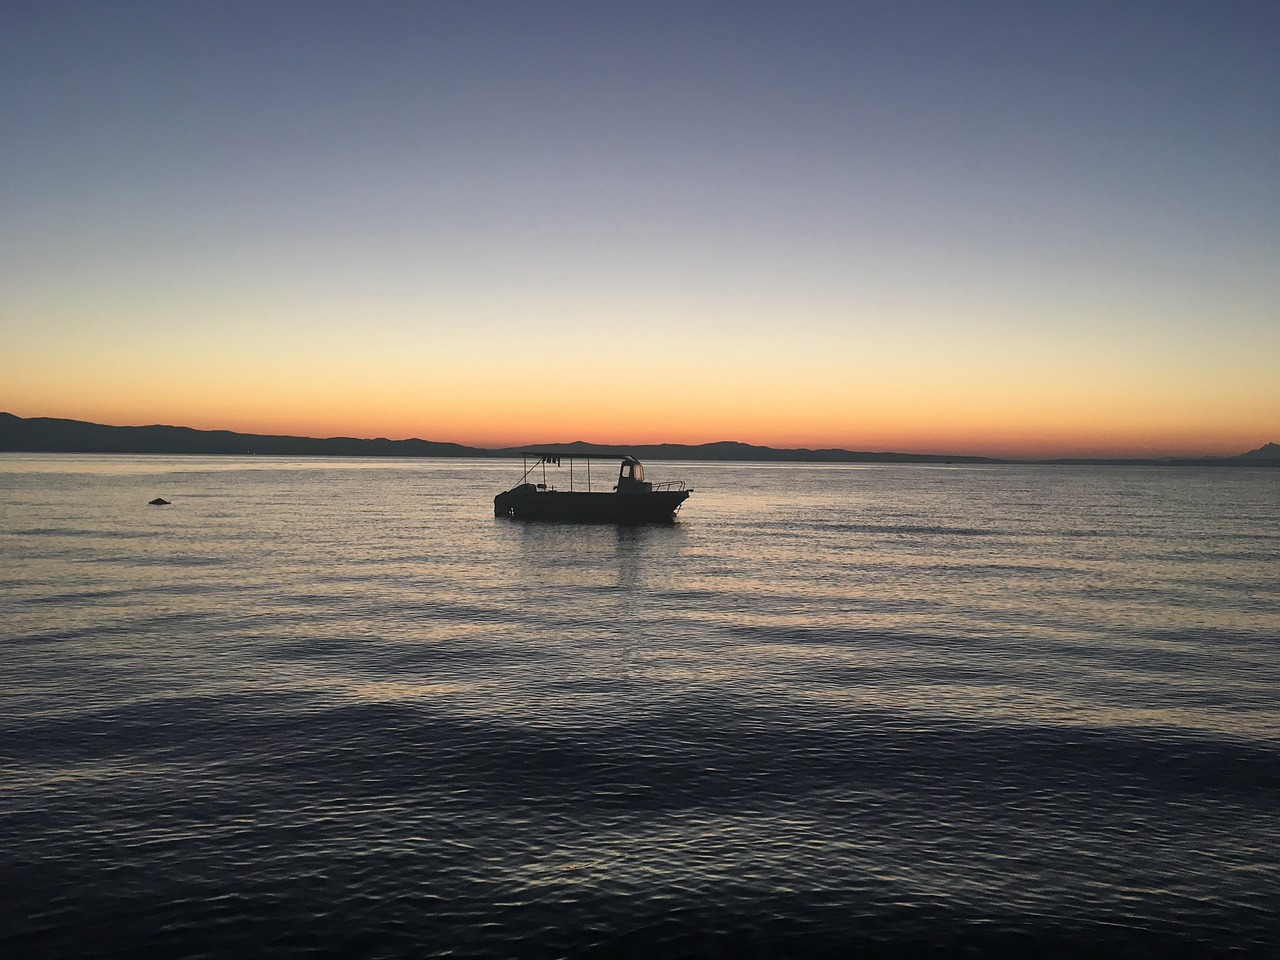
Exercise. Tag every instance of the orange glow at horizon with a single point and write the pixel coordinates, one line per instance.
(962, 389)
(492, 426)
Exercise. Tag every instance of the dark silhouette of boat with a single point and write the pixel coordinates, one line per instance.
(632, 500)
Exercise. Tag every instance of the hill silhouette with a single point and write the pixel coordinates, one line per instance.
(53, 435)
(1268, 451)
(49, 435)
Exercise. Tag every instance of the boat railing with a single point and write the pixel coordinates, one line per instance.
(669, 485)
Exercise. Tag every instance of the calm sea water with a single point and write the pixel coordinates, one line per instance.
(336, 707)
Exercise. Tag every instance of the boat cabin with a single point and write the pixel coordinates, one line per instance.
(631, 477)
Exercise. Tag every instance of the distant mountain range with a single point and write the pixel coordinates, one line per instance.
(49, 435)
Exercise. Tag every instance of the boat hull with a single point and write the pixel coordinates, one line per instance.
(522, 503)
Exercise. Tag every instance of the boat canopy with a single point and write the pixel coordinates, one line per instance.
(551, 456)
(630, 475)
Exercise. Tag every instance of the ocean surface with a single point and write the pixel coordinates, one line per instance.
(336, 708)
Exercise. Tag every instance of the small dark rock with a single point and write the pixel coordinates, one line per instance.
(159, 502)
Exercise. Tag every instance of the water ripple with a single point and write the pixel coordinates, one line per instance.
(341, 711)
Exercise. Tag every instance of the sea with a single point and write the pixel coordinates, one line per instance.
(335, 708)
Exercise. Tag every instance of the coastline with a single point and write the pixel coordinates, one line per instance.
(55, 435)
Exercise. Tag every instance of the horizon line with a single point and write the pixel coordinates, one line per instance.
(551, 447)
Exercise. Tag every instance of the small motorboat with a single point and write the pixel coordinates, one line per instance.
(632, 500)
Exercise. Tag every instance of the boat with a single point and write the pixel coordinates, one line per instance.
(632, 500)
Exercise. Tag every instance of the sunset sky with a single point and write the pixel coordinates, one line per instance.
(993, 228)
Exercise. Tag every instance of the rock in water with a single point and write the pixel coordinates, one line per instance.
(159, 502)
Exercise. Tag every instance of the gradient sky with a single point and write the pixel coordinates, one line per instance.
(997, 228)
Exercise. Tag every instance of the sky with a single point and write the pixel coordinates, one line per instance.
(998, 228)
